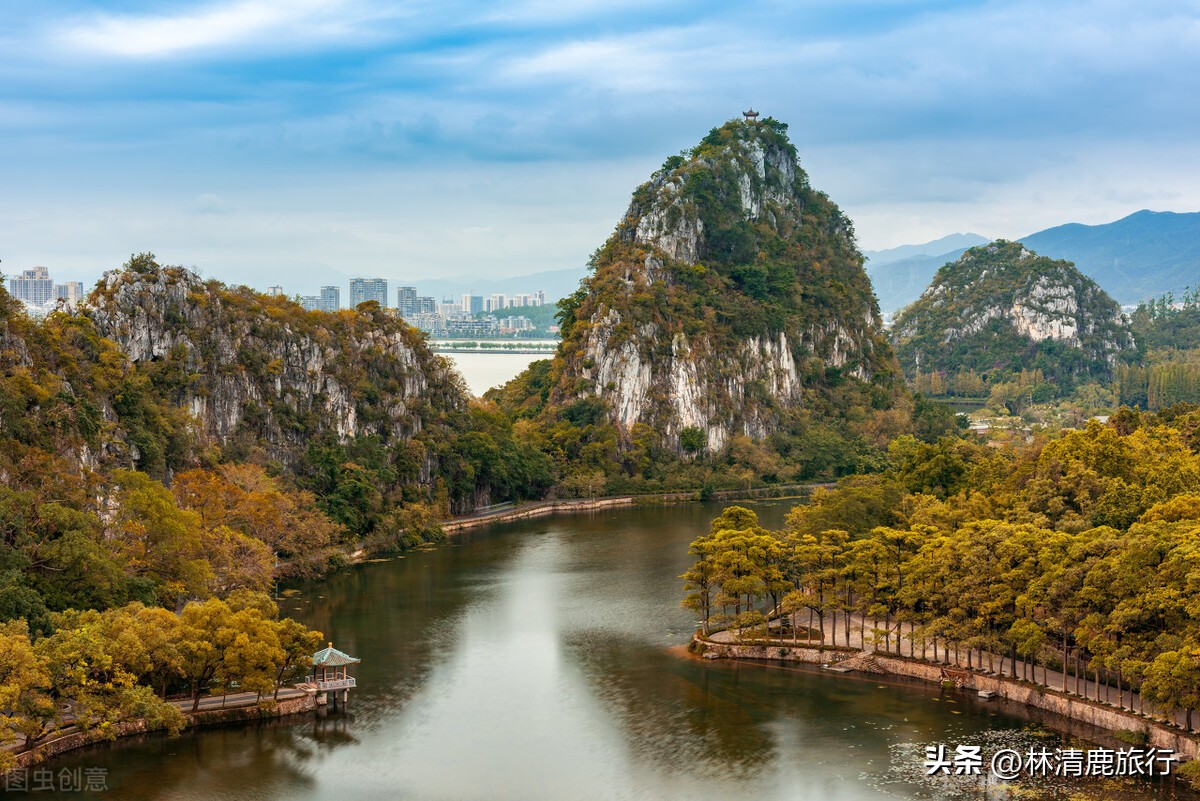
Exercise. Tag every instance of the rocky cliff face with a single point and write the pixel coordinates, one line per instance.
(13, 350)
(249, 366)
(1001, 306)
(730, 295)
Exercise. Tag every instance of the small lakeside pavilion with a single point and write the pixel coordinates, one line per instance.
(331, 675)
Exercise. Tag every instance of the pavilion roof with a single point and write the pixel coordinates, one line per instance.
(332, 657)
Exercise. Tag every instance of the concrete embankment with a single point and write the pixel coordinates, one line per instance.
(1090, 713)
(73, 739)
(577, 505)
(535, 509)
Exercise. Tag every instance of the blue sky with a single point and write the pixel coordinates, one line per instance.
(305, 141)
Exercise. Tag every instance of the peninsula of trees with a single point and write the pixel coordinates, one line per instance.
(1077, 553)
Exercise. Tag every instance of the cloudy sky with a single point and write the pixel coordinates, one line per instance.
(299, 141)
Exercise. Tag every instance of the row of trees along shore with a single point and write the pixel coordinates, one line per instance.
(1079, 553)
(99, 669)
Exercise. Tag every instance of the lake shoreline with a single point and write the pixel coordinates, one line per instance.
(251, 712)
(568, 506)
(1095, 715)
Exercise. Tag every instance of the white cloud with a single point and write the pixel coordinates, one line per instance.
(1002, 116)
(210, 203)
(216, 26)
(556, 11)
(636, 62)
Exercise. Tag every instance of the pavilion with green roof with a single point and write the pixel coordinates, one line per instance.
(330, 673)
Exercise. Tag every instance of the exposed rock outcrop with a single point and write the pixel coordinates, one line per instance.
(1001, 306)
(247, 365)
(730, 296)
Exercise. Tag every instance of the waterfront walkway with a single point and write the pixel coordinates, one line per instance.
(866, 636)
(235, 699)
(502, 512)
(207, 704)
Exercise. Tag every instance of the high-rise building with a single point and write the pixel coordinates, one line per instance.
(275, 291)
(70, 291)
(472, 304)
(33, 287)
(424, 304)
(331, 298)
(470, 327)
(512, 325)
(406, 301)
(310, 302)
(496, 302)
(364, 289)
(432, 324)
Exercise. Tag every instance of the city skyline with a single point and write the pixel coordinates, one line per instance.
(259, 140)
(34, 286)
(469, 315)
(40, 293)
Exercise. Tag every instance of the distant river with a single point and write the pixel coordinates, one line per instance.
(485, 370)
(542, 660)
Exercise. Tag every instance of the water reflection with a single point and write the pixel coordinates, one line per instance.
(542, 661)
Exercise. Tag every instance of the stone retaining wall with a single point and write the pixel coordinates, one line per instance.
(1092, 713)
(569, 506)
(206, 717)
(537, 509)
(787, 653)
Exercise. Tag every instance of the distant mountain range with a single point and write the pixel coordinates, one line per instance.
(901, 274)
(1140, 256)
(947, 244)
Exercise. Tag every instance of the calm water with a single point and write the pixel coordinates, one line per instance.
(483, 371)
(541, 660)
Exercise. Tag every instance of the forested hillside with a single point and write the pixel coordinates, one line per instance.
(1168, 332)
(727, 321)
(181, 439)
(1002, 310)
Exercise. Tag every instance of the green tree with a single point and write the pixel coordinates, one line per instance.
(692, 440)
(26, 707)
(1172, 681)
(297, 645)
(157, 539)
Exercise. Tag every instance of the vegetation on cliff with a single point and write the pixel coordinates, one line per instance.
(726, 324)
(175, 447)
(180, 441)
(1000, 311)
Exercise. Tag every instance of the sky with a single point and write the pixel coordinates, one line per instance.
(301, 142)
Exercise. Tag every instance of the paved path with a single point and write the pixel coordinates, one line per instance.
(208, 702)
(981, 661)
(233, 699)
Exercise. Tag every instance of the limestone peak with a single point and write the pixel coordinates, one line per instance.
(1001, 307)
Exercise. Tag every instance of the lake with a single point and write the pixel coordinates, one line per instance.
(544, 660)
(485, 370)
